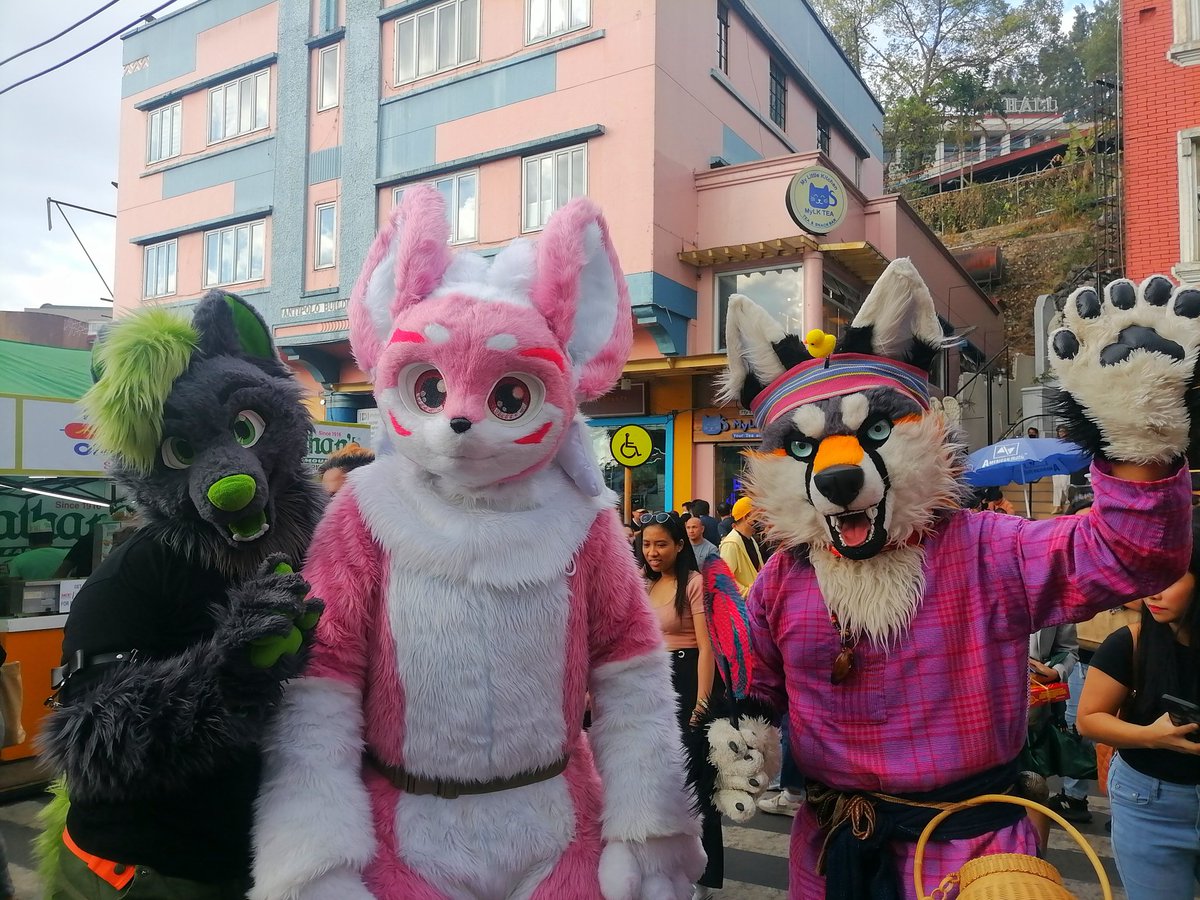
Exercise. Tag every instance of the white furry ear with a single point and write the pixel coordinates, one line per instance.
(513, 268)
(750, 334)
(900, 310)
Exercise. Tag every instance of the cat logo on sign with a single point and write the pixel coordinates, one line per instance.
(816, 200)
(631, 445)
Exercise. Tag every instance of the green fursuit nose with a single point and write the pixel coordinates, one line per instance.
(232, 492)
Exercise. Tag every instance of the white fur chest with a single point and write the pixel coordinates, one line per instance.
(478, 604)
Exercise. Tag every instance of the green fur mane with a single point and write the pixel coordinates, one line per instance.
(47, 846)
(142, 356)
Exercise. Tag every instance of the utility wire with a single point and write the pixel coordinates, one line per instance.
(62, 213)
(69, 28)
(87, 50)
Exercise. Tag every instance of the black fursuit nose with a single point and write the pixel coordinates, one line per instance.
(840, 484)
(459, 424)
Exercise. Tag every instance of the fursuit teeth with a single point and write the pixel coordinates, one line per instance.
(148, 351)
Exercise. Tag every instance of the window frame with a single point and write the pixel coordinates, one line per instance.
(551, 154)
(317, 210)
(336, 50)
(253, 79)
(176, 131)
(1185, 49)
(824, 135)
(858, 171)
(435, 11)
(719, 330)
(1188, 162)
(550, 33)
(233, 230)
(723, 36)
(777, 94)
(455, 178)
(172, 278)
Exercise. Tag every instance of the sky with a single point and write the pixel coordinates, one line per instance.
(60, 141)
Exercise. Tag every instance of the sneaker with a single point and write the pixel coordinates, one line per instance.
(782, 804)
(1070, 809)
(704, 893)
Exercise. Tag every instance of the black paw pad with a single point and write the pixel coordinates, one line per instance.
(753, 782)
(733, 746)
(1122, 294)
(1187, 304)
(1158, 291)
(1066, 345)
(740, 807)
(1087, 304)
(1138, 337)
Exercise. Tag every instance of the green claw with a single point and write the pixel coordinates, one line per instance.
(307, 621)
(284, 569)
(265, 652)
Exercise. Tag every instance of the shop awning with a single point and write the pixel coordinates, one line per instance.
(860, 258)
(35, 370)
(715, 256)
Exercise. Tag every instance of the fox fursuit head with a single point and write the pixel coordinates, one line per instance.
(856, 461)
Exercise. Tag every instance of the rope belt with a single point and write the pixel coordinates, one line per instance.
(440, 787)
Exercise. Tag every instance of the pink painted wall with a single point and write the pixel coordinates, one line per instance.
(141, 208)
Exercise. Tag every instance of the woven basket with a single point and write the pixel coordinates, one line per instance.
(1004, 876)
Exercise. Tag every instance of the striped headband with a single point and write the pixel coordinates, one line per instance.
(841, 374)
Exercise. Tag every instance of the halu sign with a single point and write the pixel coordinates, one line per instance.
(816, 200)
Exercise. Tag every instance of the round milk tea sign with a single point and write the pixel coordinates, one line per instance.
(816, 200)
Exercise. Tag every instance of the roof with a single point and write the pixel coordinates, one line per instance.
(40, 371)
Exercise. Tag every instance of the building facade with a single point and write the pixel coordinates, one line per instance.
(264, 142)
(1160, 50)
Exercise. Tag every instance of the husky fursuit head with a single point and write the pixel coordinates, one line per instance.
(857, 462)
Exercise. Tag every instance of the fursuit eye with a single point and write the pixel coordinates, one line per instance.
(802, 450)
(509, 399)
(879, 431)
(177, 453)
(429, 390)
(248, 427)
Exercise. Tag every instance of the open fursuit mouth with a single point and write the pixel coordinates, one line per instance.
(250, 528)
(853, 529)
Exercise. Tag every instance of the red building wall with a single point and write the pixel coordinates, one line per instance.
(1160, 99)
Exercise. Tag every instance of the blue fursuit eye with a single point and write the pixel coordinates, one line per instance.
(879, 431)
(802, 449)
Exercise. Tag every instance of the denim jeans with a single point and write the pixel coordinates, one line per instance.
(1155, 834)
(1073, 787)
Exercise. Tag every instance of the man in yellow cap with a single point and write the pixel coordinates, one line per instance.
(739, 548)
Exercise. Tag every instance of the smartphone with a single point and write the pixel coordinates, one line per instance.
(1183, 713)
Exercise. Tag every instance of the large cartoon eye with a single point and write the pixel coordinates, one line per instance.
(878, 431)
(248, 427)
(429, 391)
(515, 397)
(177, 453)
(802, 449)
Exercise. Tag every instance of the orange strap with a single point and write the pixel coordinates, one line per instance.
(114, 873)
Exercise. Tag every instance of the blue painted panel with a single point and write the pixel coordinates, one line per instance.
(254, 192)
(651, 287)
(325, 165)
(734, 149)
(170, 43)
(406, 151)
(816, 53)
(244, 162)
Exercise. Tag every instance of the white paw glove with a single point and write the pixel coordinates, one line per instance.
(661, 868)
(1128, 360)
(747, 759)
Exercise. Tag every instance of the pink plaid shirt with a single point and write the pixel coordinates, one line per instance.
(951, 698)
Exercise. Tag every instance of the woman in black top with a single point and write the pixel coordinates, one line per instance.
(1154, 781)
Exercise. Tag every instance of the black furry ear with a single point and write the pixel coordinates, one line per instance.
(758, 348)
(229, 326)
(898, 319)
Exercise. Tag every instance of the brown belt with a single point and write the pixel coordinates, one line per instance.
(440, 787)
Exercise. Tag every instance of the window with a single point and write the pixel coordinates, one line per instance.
(822, 135)
(461, 193)
(327, 78)
(723, 38)
(549, 18)
(779, 291)
(235, 254)
(239, 107)
(325, 236)
(857, 171)
(778, 95)
(549, 181)
(993, 146)
(165, 125)
(328, 15)
(436, 39)
(1186, 17)
(1188, 270)
(159, 277)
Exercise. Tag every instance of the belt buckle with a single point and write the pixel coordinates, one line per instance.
(446, 789)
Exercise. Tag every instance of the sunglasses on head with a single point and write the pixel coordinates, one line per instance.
(655, 518)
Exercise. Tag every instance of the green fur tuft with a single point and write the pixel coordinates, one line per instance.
(48, 844)
(138, 360)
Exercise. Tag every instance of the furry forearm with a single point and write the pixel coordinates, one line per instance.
(145, 726)
(638, 751)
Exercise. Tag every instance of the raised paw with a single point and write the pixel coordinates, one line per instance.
(746, 759)
(1125, 362)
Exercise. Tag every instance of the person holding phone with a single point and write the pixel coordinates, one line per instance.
(1131, 701)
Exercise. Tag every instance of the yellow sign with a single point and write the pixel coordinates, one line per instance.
(631, 445)
(816, 200)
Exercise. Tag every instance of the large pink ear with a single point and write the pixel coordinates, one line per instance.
(580, 290)
(407, 261)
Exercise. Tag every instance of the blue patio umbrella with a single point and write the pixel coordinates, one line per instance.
(1023, 460)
